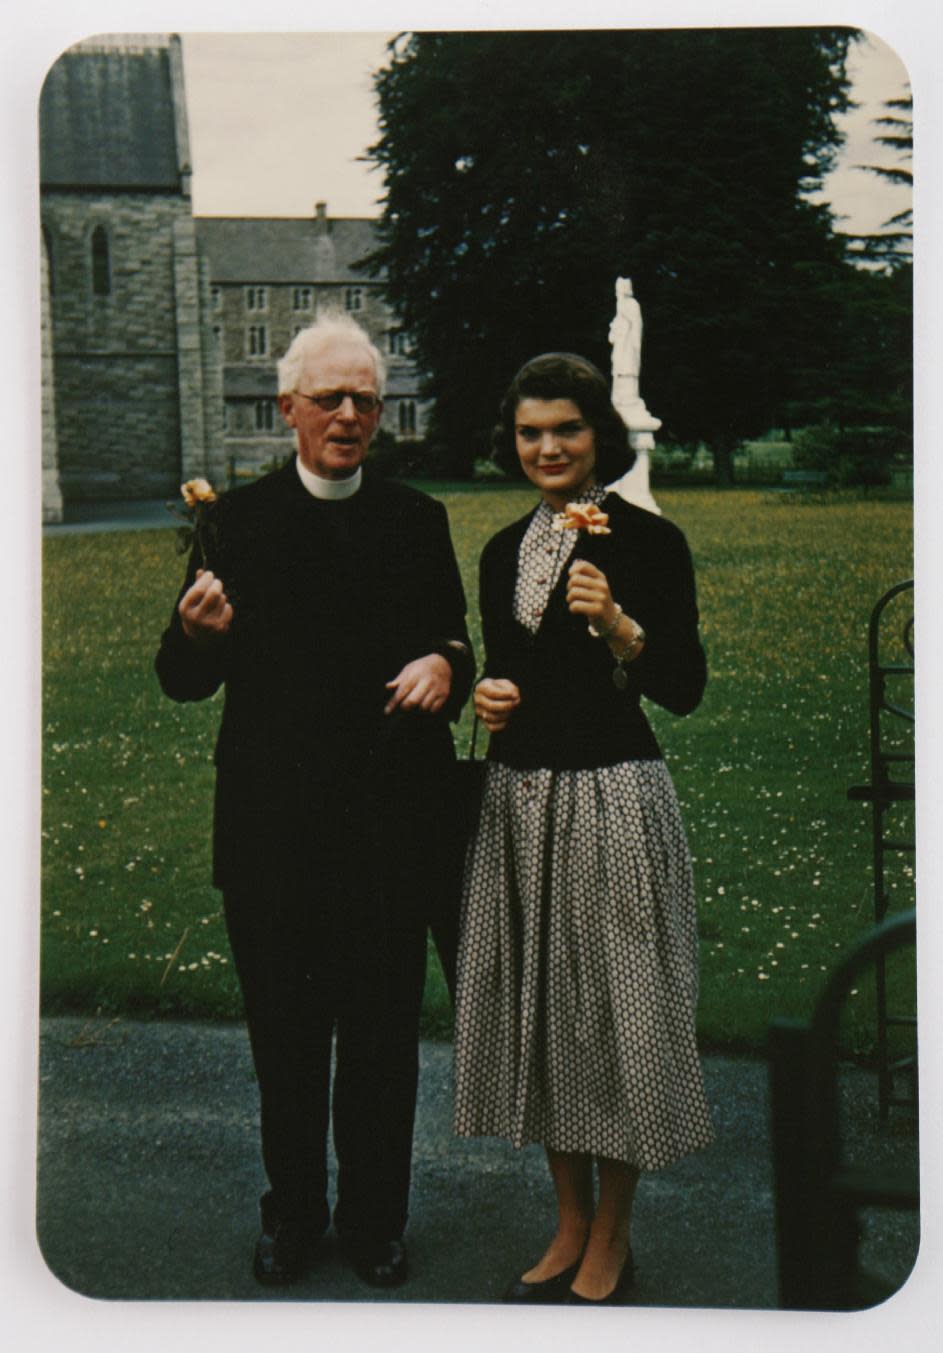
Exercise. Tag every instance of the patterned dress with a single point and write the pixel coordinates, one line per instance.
(577, 980)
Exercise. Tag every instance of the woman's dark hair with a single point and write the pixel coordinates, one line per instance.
(563, 375)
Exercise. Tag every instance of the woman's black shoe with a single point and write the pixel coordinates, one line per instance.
(551, 1290)
(617, 1296)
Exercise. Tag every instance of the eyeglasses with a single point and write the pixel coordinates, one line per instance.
(329, 400)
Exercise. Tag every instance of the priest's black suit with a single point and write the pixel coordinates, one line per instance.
(334, 837)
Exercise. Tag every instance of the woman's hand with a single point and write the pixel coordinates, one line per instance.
(496, 699)
(587, 593)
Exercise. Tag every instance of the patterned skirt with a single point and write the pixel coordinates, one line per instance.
(577, 979)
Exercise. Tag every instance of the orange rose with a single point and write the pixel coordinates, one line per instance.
(196, 491)
(582, 517)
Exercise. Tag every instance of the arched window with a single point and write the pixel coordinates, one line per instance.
(407, 416)
(50, 267)
(256, 340)
(101, 263)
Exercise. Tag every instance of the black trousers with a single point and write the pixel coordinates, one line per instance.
(311, 967)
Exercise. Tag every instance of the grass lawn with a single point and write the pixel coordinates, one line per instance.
(131, 923)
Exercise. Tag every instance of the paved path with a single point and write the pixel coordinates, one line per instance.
(149, 1172)
(84, 518)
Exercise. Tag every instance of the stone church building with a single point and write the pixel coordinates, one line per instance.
(161, 330)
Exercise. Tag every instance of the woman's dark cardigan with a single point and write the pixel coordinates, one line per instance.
(571, 715)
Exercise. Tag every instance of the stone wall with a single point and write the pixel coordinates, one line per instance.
(212, 383)
(278, 310)
(198, 367)
(51, 492)
(116, 354)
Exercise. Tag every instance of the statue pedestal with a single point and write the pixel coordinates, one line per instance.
(634, 486)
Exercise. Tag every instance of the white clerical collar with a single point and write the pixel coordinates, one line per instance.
(328, 488)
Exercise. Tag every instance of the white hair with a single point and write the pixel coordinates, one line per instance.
(329, 328)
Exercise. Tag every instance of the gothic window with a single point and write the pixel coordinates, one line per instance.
(216, 297)
(101, 263)
(407, 416)
(257, 340)
(264, 415)
(398, 342)
(256, 298)
(301, 298)
(353, 298)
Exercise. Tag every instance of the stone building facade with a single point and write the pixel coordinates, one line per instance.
(272, 277)
(51, 492)
(137, 398)
(160, 330)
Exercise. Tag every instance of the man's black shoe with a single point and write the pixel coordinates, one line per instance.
(282, 1254)
(381, 1263)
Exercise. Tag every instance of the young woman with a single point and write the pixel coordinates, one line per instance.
(577, 979)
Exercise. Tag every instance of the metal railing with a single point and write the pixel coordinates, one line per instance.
(891, 785)
(819, 1195)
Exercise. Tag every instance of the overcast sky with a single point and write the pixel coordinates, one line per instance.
(278, 121)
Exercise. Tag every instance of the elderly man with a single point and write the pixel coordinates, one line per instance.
(332, 610)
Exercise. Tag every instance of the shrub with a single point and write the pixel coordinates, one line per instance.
(671, 458)
(395, 459)
(850, 456)
(485, 471)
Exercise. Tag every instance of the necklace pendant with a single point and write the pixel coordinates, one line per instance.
(620, 678)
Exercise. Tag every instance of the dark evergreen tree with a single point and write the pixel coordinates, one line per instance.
(865, 379)
(862, 397)
(892, 245)
(525, 171)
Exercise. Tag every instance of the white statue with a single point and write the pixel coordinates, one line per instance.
(625, 335)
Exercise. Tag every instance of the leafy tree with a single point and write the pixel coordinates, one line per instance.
(526, 171)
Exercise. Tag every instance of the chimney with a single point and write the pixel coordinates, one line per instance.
(320, 218)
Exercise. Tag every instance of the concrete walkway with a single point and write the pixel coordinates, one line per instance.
(149, 1175)
(85, 518)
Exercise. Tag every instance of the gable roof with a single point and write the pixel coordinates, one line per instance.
(285, 249)
(106, 120)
